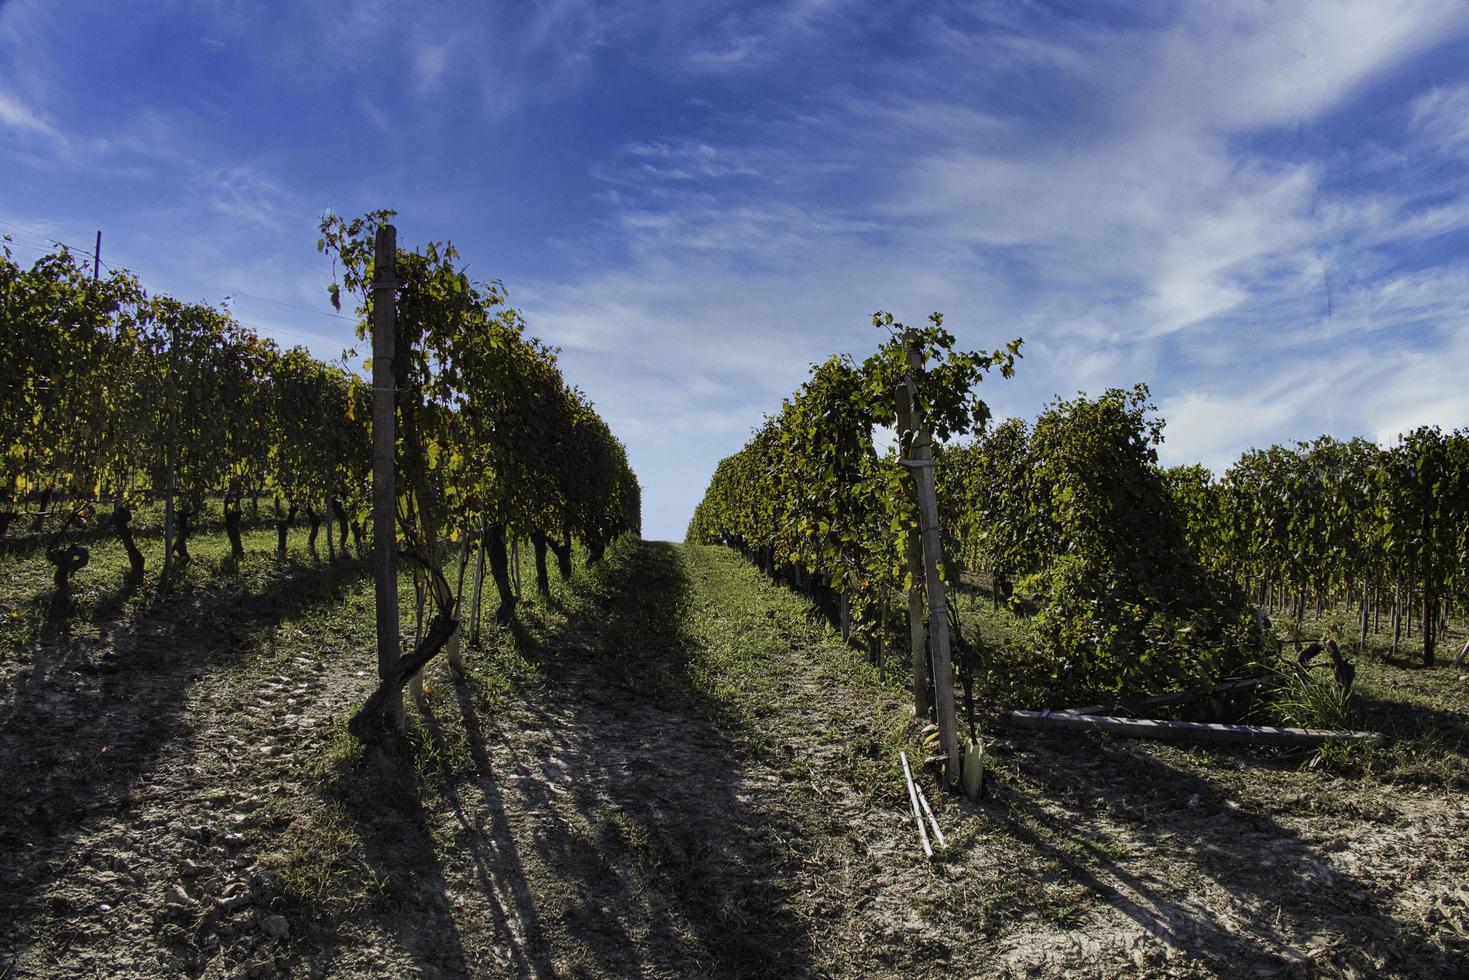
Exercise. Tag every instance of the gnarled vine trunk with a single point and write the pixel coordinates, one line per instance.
(340, 513)
(369, 722)
(494, 544)
(282, 525)
(563, 555)
(181, 542)
(39, 521)
(122, 520)
(315, 528)
(68, 562)
(232, 517)
(538, 542)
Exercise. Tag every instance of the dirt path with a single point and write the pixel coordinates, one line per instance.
(689, 779)
(143, 764)
(619, 820)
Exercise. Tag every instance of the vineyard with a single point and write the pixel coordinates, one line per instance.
(116, 398)
(1130, 579)
(228, 572)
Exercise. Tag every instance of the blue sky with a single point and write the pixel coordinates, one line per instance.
(1261, 209)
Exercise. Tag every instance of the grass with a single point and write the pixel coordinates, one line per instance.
(1311, 699)
(318, 857)
(748, 630)
(697, 629)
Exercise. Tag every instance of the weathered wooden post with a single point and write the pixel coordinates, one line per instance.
(172, 454)
(456, 660)
(331, 551)
(922, 704)
(920, 461)
(384, 463)
(479, 584)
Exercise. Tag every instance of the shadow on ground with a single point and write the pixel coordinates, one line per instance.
(80, 728)
(602, 824)
(1241, 892)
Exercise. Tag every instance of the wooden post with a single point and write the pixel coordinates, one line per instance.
(1187, 730)
(882, 630)
(1366, 615)
(922, 704)
(456, 660)
(384, 463)
(479, 584)
(913, 801)
(921, 464)
(173, 427)
(326, 508)
(515, 558)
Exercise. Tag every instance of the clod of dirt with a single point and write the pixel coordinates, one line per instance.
(275, 926)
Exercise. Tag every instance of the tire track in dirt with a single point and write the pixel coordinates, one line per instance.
(141, 854)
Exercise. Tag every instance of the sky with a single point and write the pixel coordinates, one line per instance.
(1259, 209)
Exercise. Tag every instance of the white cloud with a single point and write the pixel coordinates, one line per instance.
(1167, 199)
(1215, 426)
(16, 115)
(1258, 63)
(1441, 117)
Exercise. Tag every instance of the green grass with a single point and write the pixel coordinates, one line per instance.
(699, 629)
(318, 856)
(1311, 699)
(748, 630)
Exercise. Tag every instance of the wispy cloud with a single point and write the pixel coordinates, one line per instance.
(1441, 117)
(1155, 221)
(16, 115)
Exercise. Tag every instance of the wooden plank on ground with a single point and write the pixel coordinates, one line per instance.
(1183, 730)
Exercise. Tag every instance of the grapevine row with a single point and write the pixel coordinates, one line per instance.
(113, 397)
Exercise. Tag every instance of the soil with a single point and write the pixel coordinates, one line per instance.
(723, 800)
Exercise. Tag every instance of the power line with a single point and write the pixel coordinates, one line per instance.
(134, 270)
(47, 248)
(227, 292)
(44, 238)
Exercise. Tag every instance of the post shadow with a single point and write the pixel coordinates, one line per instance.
(634, 789)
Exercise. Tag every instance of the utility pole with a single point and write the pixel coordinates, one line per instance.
(97, 256)
(384, 462)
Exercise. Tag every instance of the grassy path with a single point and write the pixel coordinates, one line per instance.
(675, 794)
